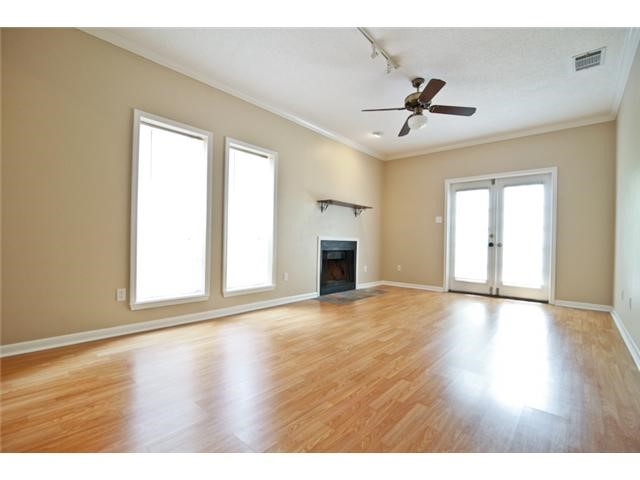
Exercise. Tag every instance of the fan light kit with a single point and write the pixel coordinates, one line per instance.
(416, 121)
(419, 102)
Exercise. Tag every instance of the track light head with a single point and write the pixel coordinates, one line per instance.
(390, 67)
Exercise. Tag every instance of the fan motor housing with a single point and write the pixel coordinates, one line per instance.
(413, 101)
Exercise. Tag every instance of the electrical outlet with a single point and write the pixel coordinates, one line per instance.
(365, 268)
(121, 294)
(399, 268)
(285, 276)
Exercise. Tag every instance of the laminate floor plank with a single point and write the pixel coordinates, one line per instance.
(406, 371)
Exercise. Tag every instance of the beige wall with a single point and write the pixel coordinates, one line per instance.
(0, 182)
(585, 157)
(627, 264)
(67, 121)
(66, 165)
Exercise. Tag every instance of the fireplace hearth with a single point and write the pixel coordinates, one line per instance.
(337, 266)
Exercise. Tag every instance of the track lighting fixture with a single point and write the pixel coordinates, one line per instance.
(376, 50)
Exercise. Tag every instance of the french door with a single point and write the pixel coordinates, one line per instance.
(500, 236)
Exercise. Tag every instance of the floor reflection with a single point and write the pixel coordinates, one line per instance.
(163, 392)
(518, 370)
(244, 379)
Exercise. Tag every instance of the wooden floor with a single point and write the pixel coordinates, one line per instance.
(404, 371)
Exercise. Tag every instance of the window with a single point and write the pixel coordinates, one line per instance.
(170, 212)
(250, 190)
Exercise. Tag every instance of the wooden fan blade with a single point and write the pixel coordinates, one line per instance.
(451, 110)
(381, 109)
(405, 128)
(433, 87)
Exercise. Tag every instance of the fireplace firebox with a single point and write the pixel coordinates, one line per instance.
(337, 266)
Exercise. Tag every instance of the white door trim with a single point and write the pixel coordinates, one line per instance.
(553, 171)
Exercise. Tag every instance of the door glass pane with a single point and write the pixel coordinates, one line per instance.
(471, 235)
(523, 236)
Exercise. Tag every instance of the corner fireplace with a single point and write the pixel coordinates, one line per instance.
(337, 265)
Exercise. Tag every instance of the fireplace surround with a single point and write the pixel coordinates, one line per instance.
(337, 265)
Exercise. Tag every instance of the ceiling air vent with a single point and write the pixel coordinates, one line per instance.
(589, 59)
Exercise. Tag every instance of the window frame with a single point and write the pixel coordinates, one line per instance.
(207, 136)
(229, 143)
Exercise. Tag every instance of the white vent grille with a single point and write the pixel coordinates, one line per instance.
(589, 59)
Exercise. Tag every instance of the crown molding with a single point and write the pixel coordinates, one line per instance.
(631, 42)
(507, 136)
(126, 44)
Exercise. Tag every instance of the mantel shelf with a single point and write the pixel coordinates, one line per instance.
(357, 209)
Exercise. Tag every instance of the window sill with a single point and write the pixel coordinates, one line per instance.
(246, 291)
(169, 302)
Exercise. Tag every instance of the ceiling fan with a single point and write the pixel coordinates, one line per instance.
(419, 101)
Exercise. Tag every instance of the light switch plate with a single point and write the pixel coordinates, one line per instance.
(438, 219)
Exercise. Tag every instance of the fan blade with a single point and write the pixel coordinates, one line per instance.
(382, 109)
(405, 128)
(450, 110)
(432, 88)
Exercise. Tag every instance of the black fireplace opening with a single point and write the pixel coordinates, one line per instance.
(337, 266)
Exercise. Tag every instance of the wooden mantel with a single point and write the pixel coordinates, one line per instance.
(357, 209)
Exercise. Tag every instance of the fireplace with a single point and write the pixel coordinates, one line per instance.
(337, 265)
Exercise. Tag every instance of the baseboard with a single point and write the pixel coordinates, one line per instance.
(91, 335)
(583, 306)
(417, 286)
(626, 337)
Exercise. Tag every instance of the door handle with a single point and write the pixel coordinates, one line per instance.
(491, 244)
(499, 244)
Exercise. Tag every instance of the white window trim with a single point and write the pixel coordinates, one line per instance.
(189, 130)
(228, 143)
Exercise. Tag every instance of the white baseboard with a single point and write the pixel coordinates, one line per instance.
(91, 335)
(583, 306)
(417, 286)
(626, 337)
(369, 284)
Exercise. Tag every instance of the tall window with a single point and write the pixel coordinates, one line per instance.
(171, 212)
(249, 218)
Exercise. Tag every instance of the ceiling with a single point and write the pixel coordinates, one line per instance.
(520, 79)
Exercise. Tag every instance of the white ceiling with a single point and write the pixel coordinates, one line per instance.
(520, 79)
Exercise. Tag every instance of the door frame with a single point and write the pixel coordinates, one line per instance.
(553, 171)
